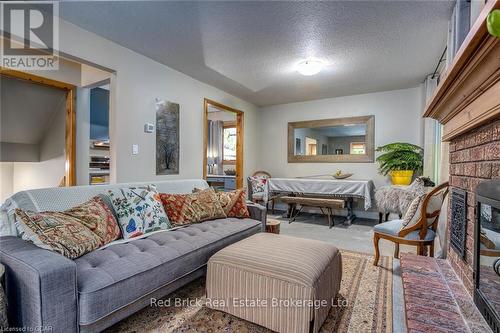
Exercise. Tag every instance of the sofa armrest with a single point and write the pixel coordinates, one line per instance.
(40, 287)
(259, 213)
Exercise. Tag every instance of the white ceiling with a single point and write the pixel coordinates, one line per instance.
(27, 110)
(251, 49)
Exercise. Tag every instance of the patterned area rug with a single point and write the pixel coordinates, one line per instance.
(364, 305)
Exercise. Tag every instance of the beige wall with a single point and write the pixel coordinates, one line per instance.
(6, 180)
(138, 81)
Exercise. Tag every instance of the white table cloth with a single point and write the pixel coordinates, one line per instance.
(325, 186)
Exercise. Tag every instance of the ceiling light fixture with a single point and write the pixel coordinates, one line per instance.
(309, 67)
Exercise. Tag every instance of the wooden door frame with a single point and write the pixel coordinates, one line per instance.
(239, 138)
(70, 134)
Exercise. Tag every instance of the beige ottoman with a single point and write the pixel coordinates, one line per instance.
(284, 283)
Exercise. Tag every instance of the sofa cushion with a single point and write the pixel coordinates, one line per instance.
(97, 215)
(73, 232)
(117, 275)
(234, 203)
(412, 216)
(199, 206)
(139, 210)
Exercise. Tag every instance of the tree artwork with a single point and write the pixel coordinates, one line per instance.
(167, 138)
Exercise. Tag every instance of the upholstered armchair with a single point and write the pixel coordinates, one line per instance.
(419, 229)
(257, 189)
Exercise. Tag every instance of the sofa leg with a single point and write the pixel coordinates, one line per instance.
(386, 217)
(380, 216)
(376, 239)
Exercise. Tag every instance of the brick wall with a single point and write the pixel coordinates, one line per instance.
(474, 158)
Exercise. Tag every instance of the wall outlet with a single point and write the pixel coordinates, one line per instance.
(149, 128)
(135, 149)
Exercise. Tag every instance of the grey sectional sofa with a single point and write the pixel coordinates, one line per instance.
(47, 291)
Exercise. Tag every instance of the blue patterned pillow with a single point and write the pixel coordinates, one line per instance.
(139, 210)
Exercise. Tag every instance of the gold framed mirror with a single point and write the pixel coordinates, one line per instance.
(339, 140)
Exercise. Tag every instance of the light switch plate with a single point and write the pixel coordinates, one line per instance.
(135, 149)
(149, 128)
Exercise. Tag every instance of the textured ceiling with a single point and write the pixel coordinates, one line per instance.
(251, 49)
(27, 110)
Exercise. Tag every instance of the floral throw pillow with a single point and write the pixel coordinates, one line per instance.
(72, 233)
(139, 210)
(183, 209)
(258, 184)
(234, 203)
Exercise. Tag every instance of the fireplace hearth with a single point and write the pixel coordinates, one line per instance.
(458, 225)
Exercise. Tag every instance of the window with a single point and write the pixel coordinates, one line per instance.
(358, 148)
(229, 144)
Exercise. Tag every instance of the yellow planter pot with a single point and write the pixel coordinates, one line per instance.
(401, 177)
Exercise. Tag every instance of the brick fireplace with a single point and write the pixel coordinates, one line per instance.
(474, 158)
(467, 103)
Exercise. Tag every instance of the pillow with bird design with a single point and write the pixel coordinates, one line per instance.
(139, 210)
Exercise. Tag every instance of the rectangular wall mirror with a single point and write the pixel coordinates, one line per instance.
(332, 140)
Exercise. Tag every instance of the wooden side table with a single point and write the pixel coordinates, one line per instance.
(273, 226)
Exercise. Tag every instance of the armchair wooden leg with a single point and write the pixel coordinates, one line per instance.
(431, 250)
(420, 249)
(386, 217)
(376, 238)
(396, 250)
(380, 216)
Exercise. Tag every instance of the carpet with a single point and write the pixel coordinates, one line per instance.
(363, 305)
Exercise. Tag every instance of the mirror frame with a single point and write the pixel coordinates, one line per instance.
(369, 157)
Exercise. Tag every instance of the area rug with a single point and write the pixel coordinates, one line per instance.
(363, 305)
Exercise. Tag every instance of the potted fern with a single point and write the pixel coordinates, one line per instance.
(400, 160)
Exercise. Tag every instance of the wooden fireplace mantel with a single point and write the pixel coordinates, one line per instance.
(469, 93)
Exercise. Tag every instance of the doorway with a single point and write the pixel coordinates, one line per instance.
(97, 134)
(38, 131)
(223, 146)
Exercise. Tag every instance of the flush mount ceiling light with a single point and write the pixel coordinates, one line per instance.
(309, 67)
